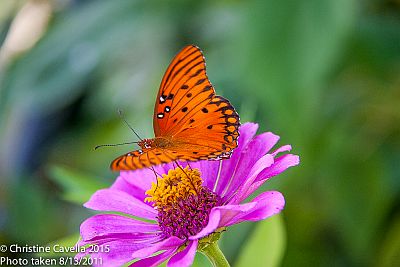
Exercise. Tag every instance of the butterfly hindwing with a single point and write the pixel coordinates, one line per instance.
(214, 129)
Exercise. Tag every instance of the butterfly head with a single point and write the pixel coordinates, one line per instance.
(146, 143)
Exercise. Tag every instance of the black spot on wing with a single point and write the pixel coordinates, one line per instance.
(200, 81)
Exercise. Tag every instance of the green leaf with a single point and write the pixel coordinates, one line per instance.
(266, 245)
(32, 214)
(77, 187)
(200, 260)
(389, 254)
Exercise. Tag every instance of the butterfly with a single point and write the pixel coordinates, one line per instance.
(190, 121)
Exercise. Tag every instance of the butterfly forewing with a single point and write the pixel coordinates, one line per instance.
(188, 110)
(184, 80)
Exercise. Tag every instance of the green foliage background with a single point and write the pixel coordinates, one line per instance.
(322, 74)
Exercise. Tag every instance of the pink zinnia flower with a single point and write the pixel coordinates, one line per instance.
(184, 208)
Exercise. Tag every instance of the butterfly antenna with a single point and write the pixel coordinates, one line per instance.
(130, 127)
(119, 144)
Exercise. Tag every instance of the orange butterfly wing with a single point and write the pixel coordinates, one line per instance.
(201, 124)
(190, 121)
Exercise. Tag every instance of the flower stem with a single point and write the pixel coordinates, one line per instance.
(215, 255)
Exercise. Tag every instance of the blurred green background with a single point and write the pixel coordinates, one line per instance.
(322, 74)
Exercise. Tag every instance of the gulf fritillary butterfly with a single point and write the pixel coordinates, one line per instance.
(190, 121)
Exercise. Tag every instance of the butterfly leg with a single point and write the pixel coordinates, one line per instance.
(189, 165)
(180, 167)
(156, 174)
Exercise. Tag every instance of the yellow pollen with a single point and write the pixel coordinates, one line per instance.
(177, 184)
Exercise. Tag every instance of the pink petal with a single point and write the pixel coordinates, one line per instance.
(220, 216)
(138, 239)
(119, 252)
(264, 143)
(268, 204)
(262, 207)
(280, 165)
(142, 178)
(247, 132)
(169, 243)
(107, 224)
(255, 150)
(122, 184)
(185, 257)
(209, 171)
(115, 200)
(262, 164)
(155, 260)
(281, 149)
